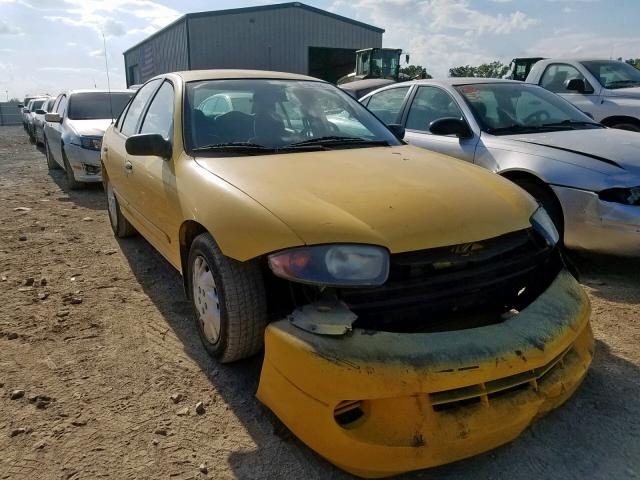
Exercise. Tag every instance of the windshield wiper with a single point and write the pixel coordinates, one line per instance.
(571, 123)
(336, 140)
(235, 147)
(515, 128)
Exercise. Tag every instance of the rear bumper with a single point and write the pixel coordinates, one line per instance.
(427, 399)
(605, 227)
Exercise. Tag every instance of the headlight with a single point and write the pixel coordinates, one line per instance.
(627, 196)
(542, 223)
(91, 143)
(333, 265)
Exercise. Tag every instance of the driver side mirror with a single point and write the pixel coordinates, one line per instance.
(20, 105)
(397, 130)
(25, 110)
(577, 85)
(40, 111)
(52, 117)
(148, 144)
(451, 126)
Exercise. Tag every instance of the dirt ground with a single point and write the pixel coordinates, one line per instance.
(98, 334)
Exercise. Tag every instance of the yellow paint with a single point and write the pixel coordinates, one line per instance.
(403, 198)
(305, 376)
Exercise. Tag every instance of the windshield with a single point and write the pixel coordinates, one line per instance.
(507, 108)
(96, 105)
(612, 74)
(276, 115)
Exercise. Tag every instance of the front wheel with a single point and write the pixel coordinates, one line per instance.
(119, 224)
(72, 183)
(548, 200)
(229, 301)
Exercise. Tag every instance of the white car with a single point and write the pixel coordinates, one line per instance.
(586, 176)
(607, 90)
(30, 112)
(74, 129)
(38, 120)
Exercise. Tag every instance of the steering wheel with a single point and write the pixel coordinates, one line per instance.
(539, 116)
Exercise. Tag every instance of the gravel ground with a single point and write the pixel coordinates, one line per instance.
(98, 335)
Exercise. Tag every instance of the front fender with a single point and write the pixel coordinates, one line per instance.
(241, 226)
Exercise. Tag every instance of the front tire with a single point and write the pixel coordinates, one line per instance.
(119, 224)
(548, 200)
(72, 183)
(229, 301)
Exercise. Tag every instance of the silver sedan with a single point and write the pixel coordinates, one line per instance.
(587, 176)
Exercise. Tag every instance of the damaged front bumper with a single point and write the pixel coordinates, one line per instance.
(599, 226)
(379, 403)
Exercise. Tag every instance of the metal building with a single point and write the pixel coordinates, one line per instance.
(289, 37)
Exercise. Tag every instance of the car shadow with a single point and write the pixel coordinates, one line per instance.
(594, 435)
(609, 277)
(235, 383)
(91, 195)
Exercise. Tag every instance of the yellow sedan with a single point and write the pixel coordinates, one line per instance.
(413, 309)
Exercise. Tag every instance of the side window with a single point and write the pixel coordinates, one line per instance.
(159, 117)
(136, 107)
(386, 105)
(555, 76)
(62, 106)
(429, 104)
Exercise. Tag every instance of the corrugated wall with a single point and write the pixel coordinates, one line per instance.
(271, 40)
(164, 52)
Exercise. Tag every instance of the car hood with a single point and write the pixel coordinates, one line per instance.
(630, 92)
(404, 198)
(90, 128)
(604, 149)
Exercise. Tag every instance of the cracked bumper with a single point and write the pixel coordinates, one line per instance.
(377, 404)
(85, 163)
(605, 227)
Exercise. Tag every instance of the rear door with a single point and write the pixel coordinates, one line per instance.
(430, 103)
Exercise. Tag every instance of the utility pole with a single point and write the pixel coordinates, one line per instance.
(7, 92)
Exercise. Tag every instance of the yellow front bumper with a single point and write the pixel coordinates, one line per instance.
(381, 403)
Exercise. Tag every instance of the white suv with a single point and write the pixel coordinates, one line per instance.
(607, 90)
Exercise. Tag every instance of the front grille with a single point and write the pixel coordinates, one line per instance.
(485, 392)
(447, 286)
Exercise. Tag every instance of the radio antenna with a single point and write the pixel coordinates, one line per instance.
(106, 65)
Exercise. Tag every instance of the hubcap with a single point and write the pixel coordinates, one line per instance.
(111, 205)
(205, 299)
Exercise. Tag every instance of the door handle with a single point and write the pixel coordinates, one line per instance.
(128, 165)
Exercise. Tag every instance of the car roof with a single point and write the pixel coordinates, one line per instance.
(579, 59)
(93, 90)
(195, 75)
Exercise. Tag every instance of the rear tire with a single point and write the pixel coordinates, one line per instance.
(121, 227)
(72, 183)
(229, 301)
(548, 200)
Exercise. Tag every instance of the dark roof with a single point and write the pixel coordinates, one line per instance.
(261, 8)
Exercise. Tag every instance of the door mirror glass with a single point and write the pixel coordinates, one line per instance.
(148, 144)
(450, 126)
(25, 110)
(52, 117)
(40, 111)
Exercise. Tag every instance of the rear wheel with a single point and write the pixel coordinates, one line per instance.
(229, 301)
(548, 200)
(72, 183)
(119, 224)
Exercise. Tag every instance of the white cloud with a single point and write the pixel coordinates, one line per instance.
(6, 29)
(586, 45)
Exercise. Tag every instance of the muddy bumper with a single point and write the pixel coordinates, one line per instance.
(380, 403)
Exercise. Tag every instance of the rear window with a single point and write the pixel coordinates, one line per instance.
(91, 106)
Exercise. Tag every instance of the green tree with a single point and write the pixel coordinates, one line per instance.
(415, 71)
(465, 71)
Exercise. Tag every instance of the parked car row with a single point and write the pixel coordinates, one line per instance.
(71, 126)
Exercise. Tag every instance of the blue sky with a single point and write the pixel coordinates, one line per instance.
(51, 45)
